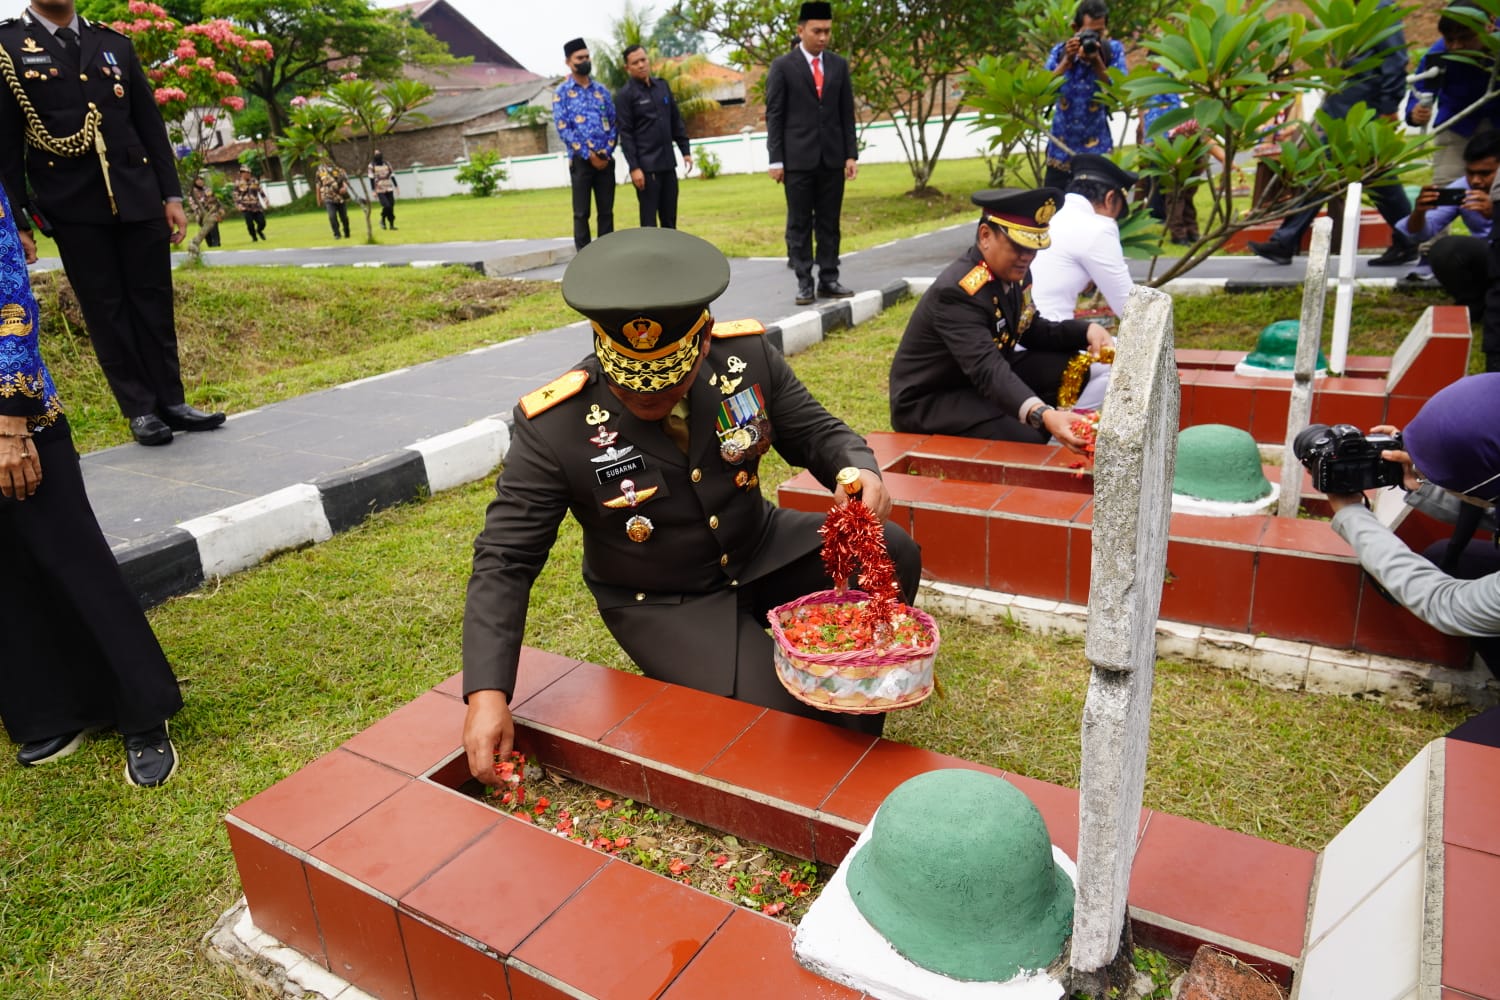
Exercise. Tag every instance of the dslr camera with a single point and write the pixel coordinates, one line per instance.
(1343, 460)
(1089, 41)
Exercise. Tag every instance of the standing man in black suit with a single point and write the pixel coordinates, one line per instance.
(78, 121)
(810, 139)
(650, 124)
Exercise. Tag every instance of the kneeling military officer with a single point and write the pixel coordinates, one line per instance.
(653, 443)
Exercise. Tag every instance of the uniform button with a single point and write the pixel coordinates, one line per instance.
(83, 76)
(724, 559)
(640, 597)
(734, 583)
(697, 475)
(713, 521)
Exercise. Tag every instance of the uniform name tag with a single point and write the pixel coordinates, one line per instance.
(41, 60)
(628, 467)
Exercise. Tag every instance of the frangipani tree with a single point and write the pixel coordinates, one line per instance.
(347, 120)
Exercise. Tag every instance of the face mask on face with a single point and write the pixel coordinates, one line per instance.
(584, 68)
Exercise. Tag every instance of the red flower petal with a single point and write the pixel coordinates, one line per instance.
(678, 866)
(520, 815)
(785, 878)
(721, 861)
(621, 842)
(800, 889)
(771, 909)
(604, 803)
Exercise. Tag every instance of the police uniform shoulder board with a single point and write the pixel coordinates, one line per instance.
(738, 328)
(553, 392)
(976, 279)
(105, 27)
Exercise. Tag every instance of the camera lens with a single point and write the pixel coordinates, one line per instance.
(1310, 440)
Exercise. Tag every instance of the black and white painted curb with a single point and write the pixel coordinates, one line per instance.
(183, 558)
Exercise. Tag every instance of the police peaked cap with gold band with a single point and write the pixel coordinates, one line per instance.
(1093, 167)
(1021, 213)
(646, 293)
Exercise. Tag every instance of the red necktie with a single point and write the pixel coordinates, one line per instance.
(817, 66)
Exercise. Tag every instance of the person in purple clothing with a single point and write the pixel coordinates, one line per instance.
(1080, 122)
(1460, 263)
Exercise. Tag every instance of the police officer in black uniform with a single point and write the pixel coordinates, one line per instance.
(79, 121)
(653, 444)
(976, 359)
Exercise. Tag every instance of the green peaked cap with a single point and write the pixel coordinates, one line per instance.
(958, 876)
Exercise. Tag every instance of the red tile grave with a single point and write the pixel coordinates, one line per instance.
(419, 891)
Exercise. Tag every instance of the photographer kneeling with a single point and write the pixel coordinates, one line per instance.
(1453, 444)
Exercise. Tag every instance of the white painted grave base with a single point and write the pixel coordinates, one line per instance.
(1243, 368)
(835, 941)
(1184, 504)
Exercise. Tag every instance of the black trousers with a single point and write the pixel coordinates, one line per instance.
(963, 412)
(387, 208)
(338, 212)
(122, 274)
(755, 679)
(600, 186)
(79, 651)
(814, 199)
(1462, 265)
(1390, 200)
(1491, 332)
(658, 199)
(255, 222)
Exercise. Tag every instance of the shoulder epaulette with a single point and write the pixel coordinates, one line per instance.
(554, 392)
(109, 28)
(738, 328)
(976, 279)
(10, 22)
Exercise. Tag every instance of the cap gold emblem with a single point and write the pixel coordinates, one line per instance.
(642, 333)
(1046, 212)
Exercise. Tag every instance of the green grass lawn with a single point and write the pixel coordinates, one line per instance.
(106, 890)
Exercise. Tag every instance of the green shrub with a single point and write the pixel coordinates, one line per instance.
(482, 173)
(709, 164)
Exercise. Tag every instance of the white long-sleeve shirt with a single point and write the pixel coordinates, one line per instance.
(1085, 248)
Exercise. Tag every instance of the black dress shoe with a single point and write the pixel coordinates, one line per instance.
(182, 417)
(834, 290)
(150, 758)
(805, 292)
(42, 751)
(149, 430)
(1272, 251)
(1395, 255)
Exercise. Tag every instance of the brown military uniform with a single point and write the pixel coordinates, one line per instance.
(685, 593)
(957, 370)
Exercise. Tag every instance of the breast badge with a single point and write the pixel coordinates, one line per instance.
(743, 427)
(638, 528)
(630, 496)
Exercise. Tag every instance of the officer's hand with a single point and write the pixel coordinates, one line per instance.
(489, 731)
(28, 245)
(777, 174)
(638, 178)
(1099, 339)
(687, 165)
(851, 169)
(1059, 423)
(20, 466)
(176, 221)
(872, 494)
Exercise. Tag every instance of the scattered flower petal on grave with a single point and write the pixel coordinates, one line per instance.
(721, 861)
(678, 866)
(771, 909)
(604, 803)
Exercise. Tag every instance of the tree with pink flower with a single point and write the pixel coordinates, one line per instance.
(185, 64)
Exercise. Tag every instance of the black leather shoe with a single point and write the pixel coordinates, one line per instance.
(149, 430)
(834, 290)
(182, 417)
(805, 292)
(58, 747)
(150, 758)
(1395, 255)
(1272, 251)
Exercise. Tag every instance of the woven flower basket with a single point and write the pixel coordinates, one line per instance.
(859, 681)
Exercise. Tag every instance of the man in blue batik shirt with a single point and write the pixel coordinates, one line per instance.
(584, 115)
(1080, 122)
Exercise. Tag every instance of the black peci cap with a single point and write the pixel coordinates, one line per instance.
(815, 11)
(571, 47)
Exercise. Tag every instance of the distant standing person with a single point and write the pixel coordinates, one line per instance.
(383, 182)
(333, 194)
(1080, 121)
(584, 115)
(79, 653)
(250, 198)
(649, 124)
(205, 208)
(811, 141)
(91, 142)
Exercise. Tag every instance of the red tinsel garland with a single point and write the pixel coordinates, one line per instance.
(852, 534)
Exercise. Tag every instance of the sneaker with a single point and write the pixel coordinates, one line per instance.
(150, 758)
(1395, 255)
(45, 751)
(1272, 251)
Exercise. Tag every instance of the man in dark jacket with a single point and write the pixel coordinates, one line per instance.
(1380, 88)
(79, 122)
(649, 124)
(811, 142)
(976, 359)
(653, 444)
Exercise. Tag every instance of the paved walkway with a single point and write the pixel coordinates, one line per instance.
(138, 492)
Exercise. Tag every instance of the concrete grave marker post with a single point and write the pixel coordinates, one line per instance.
(1135, 456)
(1309, 335)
